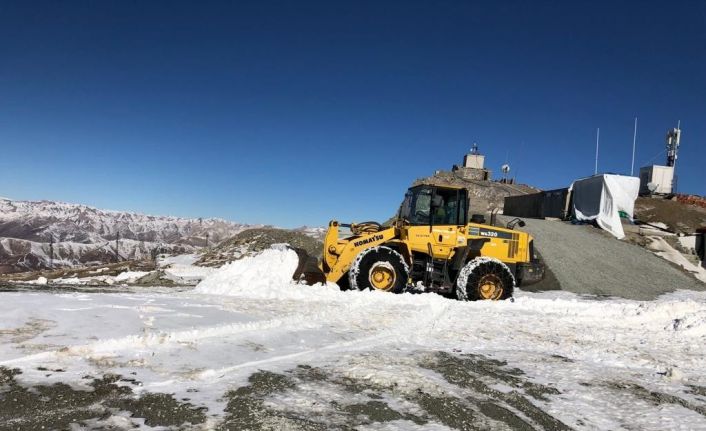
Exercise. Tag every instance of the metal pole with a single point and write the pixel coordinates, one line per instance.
(117, 246)
(675, 178)
(51, 252)
(634, 139)
(598, 135)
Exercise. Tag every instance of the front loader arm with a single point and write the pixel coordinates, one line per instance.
(340, 253)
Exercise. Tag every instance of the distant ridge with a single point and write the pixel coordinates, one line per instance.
(86, 235)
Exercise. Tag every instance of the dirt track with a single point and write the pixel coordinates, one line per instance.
(586, 260)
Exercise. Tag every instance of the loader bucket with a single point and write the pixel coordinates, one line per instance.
(308, 270)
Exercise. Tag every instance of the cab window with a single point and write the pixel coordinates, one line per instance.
(447, 212)
(416, 206)
(449, 208)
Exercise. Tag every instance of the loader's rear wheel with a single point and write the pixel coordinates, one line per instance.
(379, 268)
(484, 278)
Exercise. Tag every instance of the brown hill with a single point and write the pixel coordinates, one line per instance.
(253, 241)
(678, 216)
(484, 195)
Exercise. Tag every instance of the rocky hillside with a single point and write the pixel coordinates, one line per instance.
(86, 235)
(253, 241)
(484, 195)
(679, 216)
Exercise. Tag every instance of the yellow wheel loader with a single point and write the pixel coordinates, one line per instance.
(431, 246)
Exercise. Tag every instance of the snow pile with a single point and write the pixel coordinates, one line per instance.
(688, 242)
(267, 275)
(130, 276)
(40, 280)
(125, 277)
(182, 269)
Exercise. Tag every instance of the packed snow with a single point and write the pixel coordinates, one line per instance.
(688, 242)
(249, 316)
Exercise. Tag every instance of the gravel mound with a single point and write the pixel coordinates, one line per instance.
(586, 260)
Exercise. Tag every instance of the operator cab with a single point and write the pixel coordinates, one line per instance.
(427, 205)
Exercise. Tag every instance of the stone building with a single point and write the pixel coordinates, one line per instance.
(473, 167)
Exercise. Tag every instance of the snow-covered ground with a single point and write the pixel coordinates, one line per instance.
(178, 268)
(546, 360)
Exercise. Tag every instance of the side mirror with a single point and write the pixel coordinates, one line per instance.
(516, 221)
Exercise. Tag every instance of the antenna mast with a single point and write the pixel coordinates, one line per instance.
(634, 140)
(673, 138)
(598, 135)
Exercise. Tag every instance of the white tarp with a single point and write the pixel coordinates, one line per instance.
(601, 197)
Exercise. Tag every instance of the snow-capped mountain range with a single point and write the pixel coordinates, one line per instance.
(83, 234)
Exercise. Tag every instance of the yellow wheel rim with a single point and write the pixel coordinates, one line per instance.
(490, 287)
(382, 276)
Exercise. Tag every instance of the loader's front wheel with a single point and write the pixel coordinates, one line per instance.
(379, 268)
(484, 278)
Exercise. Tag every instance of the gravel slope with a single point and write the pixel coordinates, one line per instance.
(585, 260)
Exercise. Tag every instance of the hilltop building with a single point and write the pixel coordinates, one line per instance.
(473, 167)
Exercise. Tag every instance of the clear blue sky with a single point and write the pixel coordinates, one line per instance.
(293, 113)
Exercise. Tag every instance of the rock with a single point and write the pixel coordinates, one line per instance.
(154, 278)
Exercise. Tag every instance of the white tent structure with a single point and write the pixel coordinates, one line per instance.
(600, 198)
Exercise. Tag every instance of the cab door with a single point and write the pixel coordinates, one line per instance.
(434, 215)
(416, 212)
(448, 214)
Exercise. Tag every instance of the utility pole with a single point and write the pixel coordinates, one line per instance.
(117, 246)
(598, 135)
(51, 252)
(634, 140)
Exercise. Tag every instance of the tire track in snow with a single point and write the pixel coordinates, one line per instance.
(162, 339)
(414, 327)
(335, 316)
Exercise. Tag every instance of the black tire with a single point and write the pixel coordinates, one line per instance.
(376, 261)
(484, 278)
(344, 283)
